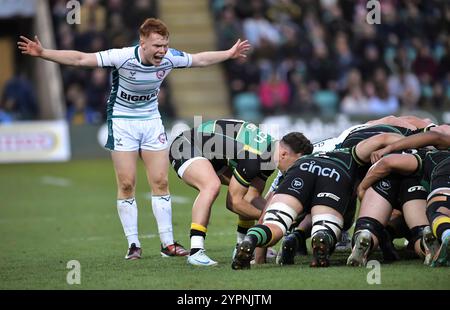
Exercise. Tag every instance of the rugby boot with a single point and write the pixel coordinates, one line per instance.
(174, 249)
(243, 256)
(441, 258)
(133, 252)
(322, 247)
(430, 245)
(360, 251)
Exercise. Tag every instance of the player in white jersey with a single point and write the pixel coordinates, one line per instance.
(134, 123)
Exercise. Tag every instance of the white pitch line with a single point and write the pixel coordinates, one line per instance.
(61, 182)
(175, 199)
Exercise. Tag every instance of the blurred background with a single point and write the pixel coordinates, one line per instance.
(317, 66)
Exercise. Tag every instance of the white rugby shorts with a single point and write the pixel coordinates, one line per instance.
(134, 134)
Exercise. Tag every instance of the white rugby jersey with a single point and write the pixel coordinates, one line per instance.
(135, 86)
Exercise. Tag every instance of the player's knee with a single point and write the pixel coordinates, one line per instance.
(160, 184)
(211, 188)
(126, 189)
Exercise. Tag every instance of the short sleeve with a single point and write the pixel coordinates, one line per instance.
(113, 57)
(179, 59)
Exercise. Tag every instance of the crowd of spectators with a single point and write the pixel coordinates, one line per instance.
(309, 56)
(323, 56)
(104, 24)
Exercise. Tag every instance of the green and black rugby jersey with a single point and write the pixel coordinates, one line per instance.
(432, 164)
(367, 132)
(246, 149)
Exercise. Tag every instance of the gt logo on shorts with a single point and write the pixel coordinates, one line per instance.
(416, 188)
(319, 170)
(328, 195)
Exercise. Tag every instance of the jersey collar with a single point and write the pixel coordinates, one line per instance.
(138, 57)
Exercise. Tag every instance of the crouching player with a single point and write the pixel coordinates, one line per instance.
(321, 184)
(234, 153)
(434, 169)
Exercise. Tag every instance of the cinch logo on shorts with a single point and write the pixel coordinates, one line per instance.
(329, 195)
(129, 97)
(319, 170)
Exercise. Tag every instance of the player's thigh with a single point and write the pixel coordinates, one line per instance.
(156, 165)
(375, 206)
(125, 166)
(201, 174)
(289, 200)
(414, 212)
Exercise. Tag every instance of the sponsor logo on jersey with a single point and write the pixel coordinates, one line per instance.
(328, 195)
(130, 97)
(297, 183)
(176, 52)
(312, 167)
(132, 75)
(160, 74)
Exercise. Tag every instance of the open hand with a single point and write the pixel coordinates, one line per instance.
(240, 49)
(29, 47)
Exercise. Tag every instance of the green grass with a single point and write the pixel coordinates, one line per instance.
(53, 213)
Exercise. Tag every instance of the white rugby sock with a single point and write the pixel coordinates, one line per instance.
(128, 214)
(197, 242)
(162, 210)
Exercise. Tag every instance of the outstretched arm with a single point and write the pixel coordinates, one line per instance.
(440, 140)
(401, 163)
(365, 148)
(64, 57)
(203, 59)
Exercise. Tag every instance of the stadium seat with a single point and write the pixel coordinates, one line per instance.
(247, 106)
(327, 101)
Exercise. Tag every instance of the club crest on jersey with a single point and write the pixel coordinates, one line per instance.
(162, 137)
(160, 74)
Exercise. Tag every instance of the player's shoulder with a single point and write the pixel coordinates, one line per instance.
(124, 52)
(173, 52)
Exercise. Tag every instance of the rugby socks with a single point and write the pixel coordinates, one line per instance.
(197, 235)
(128, 214)
(242, 228)
(441, 227)
(162, 210)
(259, 235)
